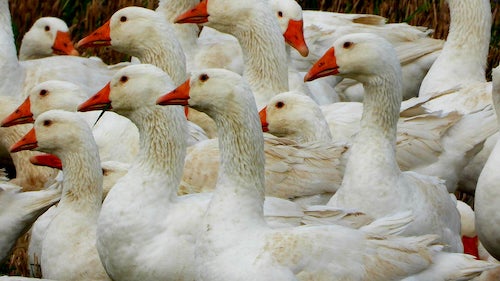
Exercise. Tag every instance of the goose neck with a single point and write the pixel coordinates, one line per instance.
(82, 183)
(372, 157)
(469, 35)
(12, 70)
(240, 185)
(165, 53)
(162, 132)
(265, 57)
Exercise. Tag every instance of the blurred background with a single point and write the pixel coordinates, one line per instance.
(83, 16)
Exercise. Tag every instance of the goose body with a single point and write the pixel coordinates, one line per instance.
(486, 196)
(19, 210)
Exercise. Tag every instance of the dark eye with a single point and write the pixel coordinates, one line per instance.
(280, 14)
(348, 45)
(47, 28)
(280, 104)
(123, 79)
(47, 123)
(43, 92)
(204, 77)
(123, 19)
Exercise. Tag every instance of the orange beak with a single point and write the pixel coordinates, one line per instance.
(179, 96)
(263, 120)
(21, 115)
(99, 101)
(28, 142)
(325, 66)
(99, 38)
(48, 160)
(198, 14)
(294, 36)
(63, 45)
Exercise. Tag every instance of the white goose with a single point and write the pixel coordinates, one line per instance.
(19, 210)
(145, 34)
(372, 167)
(48, 36)
(416, 50)
(160, 225)
(235, 213)
(68, 249)
(488, 189)
(259, 35)
(464, 55)
(117, 138)
(19, 77)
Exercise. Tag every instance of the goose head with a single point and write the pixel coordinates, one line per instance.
(52, 94)
(292, 114)
(48, 36)
(131, 88)
(289, 15)
(211, 91)
(127, 31)
(360, 56)
(53, 132)
(225, 15)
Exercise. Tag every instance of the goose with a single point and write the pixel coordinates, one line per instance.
(372, 166)
(204, 47)
(111, 171)
(19, 210)
(463, 58)
(266, 84)
(235, 213)
(470, 21)
(416, 50)
(117, 138)
(487, 220)
(68, 249)
(154, 219)
(18, 77)
(27, 176)
(260, 37)
(141, 33)
(48, 36)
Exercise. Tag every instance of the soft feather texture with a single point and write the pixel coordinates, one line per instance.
(19, 210)
(487, 190)
(68, 248)
(372, 167)
(235, 242)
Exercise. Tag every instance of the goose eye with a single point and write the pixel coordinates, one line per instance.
(47, 28)
(280, 104)
(204, 77)
(348, 45)
(47, 123)
(280, 14)
(123, 79)
(43, 92)
(123, 19)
